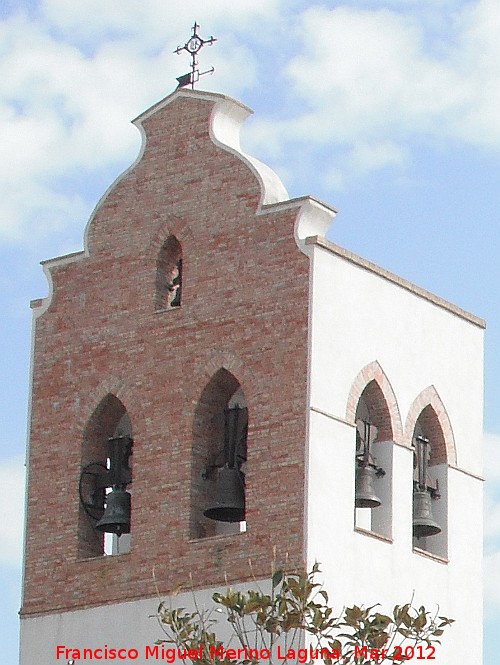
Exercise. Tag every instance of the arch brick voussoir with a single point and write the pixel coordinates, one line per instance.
(374, 372)
(109, 386)
(430, 397)
(175, 226)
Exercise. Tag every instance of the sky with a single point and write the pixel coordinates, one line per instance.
(389, 110)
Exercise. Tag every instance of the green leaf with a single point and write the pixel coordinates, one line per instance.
(420, 622)
(277, 577)
(318, 618)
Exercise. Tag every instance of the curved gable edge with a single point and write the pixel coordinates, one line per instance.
(313, 216)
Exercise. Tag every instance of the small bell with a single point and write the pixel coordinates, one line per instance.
(423, 521)
(229, 502)
(116, 518)
(365, 495)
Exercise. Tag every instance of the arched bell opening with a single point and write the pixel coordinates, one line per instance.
(219, 454)
(430, 484)
(168, 293)
(105, 475)
(373, 462)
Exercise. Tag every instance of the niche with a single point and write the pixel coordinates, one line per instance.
(219, 458)
(169, 275)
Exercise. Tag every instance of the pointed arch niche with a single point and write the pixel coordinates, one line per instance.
(168, 291)
(428, 418)
(109, 419)
(373, 421)
(372, 399)
(222, 392)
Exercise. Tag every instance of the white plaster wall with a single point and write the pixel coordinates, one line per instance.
(358, 317)
(360, 569)
(131, 625)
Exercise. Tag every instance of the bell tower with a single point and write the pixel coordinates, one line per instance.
(213, 380)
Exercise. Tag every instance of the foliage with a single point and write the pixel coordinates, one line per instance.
(271, 627)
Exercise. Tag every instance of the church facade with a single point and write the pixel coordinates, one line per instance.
(209, 342)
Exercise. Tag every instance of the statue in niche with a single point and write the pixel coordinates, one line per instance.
(174, 285)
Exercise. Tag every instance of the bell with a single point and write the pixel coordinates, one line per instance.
(365, 496)
(229, 502)
(423, 521)
(116, 518)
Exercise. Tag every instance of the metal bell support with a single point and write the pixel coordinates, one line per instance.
(365, 496)
(229, 501)
(116, 516)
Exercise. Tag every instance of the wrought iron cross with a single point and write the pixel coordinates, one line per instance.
(193, 46)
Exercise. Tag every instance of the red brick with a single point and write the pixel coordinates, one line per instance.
(244, 308)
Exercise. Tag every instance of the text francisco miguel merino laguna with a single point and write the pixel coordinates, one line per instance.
(170, 654)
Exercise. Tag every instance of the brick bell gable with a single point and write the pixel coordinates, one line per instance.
(105, 345)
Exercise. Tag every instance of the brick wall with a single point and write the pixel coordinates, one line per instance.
(244, 309)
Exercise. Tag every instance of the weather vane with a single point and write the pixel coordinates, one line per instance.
(193, 47)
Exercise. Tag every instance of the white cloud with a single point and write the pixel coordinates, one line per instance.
(12, 499)
(34, 210)
(363, 158)
(57, 120)
(367, 73)
(159, 20)
(363, 82)
(66, 110)
(364, 79)
(367, 157)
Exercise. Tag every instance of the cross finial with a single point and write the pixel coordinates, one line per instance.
(193, 46)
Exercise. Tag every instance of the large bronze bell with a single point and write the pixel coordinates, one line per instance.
(365, 495)
(116, 518)
(423, 521)
(229, 502)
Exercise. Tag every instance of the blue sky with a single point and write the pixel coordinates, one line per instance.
(387, 109)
